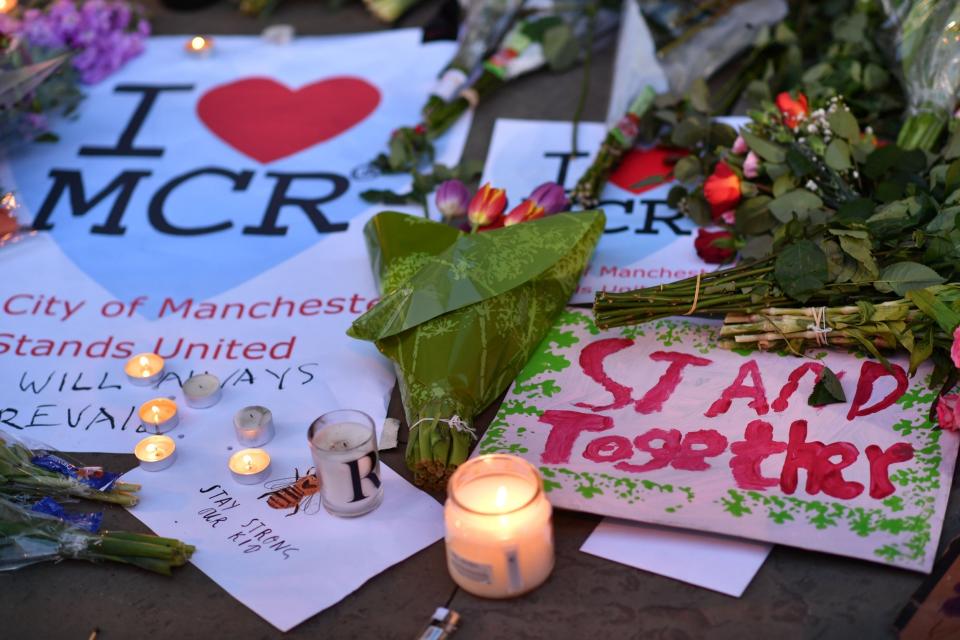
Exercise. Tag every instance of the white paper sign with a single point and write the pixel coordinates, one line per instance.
(715, 562)
(206, 209)
(645, 241)
(285, 565)
(657, 423)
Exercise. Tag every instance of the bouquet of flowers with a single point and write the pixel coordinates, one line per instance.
(23, 471)
(28, 537)
(461, 314)
(43, 52)
(556, 36)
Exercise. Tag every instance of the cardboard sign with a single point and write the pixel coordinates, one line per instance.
(645, 241)
(206, 209)
(655, 423)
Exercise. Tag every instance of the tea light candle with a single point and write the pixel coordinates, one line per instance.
(202, 391)
(250, 466)
(6, 6)
(344, 448)
(499, 535)
(155, 453)
(254, 426)
(159, 415)
(200, 46)
(144, 369)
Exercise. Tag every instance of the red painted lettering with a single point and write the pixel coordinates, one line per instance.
(870, 372)
(793, 381)
(608, 449)
(757, 445)
(566, 426)
(652, 401)
(696, 447)
(660, 456)
(591, 361)
(756, 393)
(822, 473)
(880, 461)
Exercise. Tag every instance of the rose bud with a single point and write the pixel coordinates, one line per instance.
(722, 189)
(486, 206)
(739, 146)
(751, 166)
(452, 199)
(793, 110)
(715, 247)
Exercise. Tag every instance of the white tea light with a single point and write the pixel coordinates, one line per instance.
(202, 391)
(250, 466)
(199, 46)
(144, 369)
(499, 536)
(159, 415)
(156, 453)
(254, 426)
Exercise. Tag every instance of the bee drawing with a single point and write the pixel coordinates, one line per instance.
(298, 493)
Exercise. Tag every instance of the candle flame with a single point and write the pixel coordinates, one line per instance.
(144, 361)
(196, 43)
(156, 413)
(6, 6)
(501, 499)
(248, 461)
(152, 450)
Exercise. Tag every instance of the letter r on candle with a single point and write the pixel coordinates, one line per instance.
(356, 478)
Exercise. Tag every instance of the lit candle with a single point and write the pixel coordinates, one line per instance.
(254, 426)
(6, 6)
(144, 369)
(200, 46)
(250, 466)
(155, 453)
(202, 391)
(159, 415)
(344, 448)
(499, 535)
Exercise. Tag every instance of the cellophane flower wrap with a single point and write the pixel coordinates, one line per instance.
(461, 315)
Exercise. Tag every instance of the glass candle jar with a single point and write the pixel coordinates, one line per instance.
(499, 533)
(344, 448)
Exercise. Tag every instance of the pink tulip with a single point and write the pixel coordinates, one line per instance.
(452, 198)
(751, 166)
(740, 146)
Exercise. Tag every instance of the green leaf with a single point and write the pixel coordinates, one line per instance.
(856, 210)
(675, 195)
(560, 47)
(689, 132)
(844, 124)
(799, 163)
(903, 277)
(838, 155)
(945, 317)
(881, 160)
(687, 168)
(794, 203)
(649, 181)
(769, 151)
(698, 210)
(860, 249)
(699, 96)
(827, 390)
(801, 270)
(782, 185)
(752, 216)
(953, 177)
(757, 247)
(875, 77)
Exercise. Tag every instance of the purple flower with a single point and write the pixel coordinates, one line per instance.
(452, 199)
(551, 197)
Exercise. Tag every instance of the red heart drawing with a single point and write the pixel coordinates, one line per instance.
(640, 164)
(266, 120)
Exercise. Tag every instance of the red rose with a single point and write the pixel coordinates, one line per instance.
(715, 247)
(722, 190)
(792, 109)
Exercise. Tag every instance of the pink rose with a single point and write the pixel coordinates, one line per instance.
(955, 348)
(948, 412)
(751, 166)
(739, 146)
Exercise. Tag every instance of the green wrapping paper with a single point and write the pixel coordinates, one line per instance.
(461, 315)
